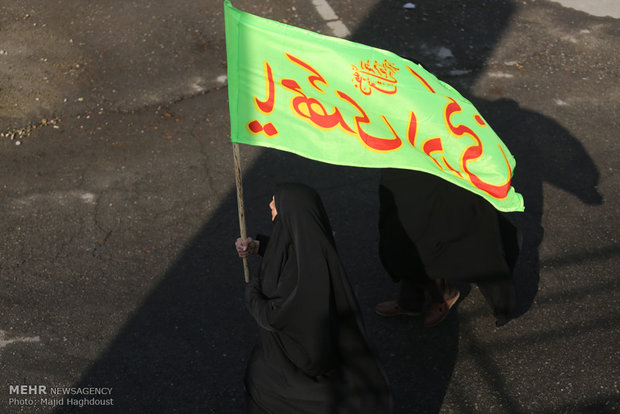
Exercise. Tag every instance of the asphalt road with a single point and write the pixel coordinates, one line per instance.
(117, 269)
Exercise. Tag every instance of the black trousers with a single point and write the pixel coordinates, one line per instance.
(400, 258)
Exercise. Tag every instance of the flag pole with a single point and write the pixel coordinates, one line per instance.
(240, 208)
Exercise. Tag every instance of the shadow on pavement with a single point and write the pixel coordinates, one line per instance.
(185, 348)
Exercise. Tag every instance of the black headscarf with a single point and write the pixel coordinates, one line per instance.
(313, 357)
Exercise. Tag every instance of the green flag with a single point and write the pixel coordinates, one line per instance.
(345, 103)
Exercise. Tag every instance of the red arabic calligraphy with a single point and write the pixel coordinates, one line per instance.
(475, 152)
(313, 111)
(313, 79)
(269, 103)
(255, 127)
(265, 106)
(377, 76)
(320, 115)
(421, 79)
(433, 147)
(370, 141)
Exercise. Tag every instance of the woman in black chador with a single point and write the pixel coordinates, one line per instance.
(313, 356)
(433, 232)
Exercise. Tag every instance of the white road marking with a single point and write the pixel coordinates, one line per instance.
(4, 341)
(500, 75)
(339, 29)
(594, 7)
(57, 197)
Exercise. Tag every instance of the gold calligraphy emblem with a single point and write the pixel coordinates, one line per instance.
(377, 76)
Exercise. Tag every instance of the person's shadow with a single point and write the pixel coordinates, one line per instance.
(185, 349)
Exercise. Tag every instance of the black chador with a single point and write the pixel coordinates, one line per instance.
(431, 229)
(313, 356)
